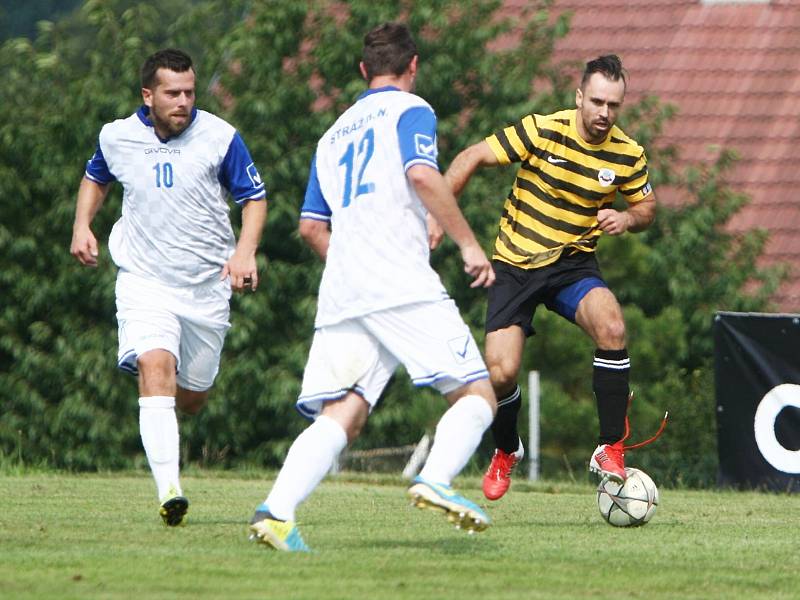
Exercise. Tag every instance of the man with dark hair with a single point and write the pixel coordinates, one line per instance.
(175, 248)
(573, 163)
(374, 175)
(388, 50)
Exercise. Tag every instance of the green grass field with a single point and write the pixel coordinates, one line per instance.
(99, 536)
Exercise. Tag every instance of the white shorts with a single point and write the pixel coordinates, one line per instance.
(190, 322)
(430, 339)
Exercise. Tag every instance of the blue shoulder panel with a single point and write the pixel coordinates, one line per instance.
(314, 205)
(238, 173)
(416, 129)
(97, 169)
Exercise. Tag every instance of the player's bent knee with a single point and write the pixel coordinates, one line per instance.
(503, 375)
(157, 367)
(350, 413)
(611, 336)
(481, 388)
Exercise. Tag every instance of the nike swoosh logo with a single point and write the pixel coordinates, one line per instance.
(555, 161)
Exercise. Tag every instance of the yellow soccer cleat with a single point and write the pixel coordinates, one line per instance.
(279, 535)
(173, 508)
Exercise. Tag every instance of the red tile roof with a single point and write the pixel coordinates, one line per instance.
(733, 71)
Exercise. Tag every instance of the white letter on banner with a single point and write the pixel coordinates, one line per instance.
(779, 397)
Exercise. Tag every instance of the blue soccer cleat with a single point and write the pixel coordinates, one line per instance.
(279, 535)
(463, 513)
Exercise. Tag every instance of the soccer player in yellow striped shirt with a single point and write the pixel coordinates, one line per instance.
(573, 163)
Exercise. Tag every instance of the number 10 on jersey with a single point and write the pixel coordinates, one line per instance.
(357, 161)
(163, 174)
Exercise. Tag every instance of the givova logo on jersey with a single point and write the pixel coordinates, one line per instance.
(463, 348)
(426, 145)
(254, 175)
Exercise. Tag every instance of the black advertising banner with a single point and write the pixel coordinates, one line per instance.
(757, 375)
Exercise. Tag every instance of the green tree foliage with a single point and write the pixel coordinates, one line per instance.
(281, 71)
(18, 18)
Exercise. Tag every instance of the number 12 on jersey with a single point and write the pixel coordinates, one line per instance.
(357, 160)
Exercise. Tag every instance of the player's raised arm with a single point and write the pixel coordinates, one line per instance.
(435, 194)
(91, 195)
(466, 163)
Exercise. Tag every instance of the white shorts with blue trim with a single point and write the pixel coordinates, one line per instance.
(189, 321)
(429, 338)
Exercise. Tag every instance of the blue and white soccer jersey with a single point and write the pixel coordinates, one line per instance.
(174, 236)
(378, 255)
(380, 302)
(175, 224)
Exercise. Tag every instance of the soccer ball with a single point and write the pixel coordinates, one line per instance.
(630, 504)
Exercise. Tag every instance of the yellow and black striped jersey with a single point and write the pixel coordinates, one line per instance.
(562, 183)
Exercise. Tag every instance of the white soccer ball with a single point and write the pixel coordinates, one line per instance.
(630, 504)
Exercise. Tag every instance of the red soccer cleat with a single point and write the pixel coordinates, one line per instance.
(497, 479)
(608, 460)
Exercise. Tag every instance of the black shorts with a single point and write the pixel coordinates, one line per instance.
(559, 286)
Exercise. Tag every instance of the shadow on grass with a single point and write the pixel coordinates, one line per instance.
(448, 544)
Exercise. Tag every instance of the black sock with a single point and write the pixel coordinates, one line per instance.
(504, 426)
(610, 386)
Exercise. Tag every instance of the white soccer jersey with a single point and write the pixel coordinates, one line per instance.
(378, 256)
(175, 224)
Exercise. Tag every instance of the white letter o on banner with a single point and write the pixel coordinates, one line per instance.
(778, 398)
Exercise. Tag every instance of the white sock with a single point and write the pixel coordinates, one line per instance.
(457, 436)
(307, 462)
(158, 426)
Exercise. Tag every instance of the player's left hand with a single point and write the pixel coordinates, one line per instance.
(242, 271)
(435, 232)
(613, 222)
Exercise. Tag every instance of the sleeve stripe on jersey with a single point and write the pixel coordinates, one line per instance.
(262, 195)
(524, 131)
(314, 216)
(497, 149)
(517, 142)
(420, 161)
(95, 179)
(505, 144)
(636, 190)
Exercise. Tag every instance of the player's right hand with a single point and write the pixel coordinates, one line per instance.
(84, 246)
(478, 266)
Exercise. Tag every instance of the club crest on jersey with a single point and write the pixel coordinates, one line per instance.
(253, 174)
(606, 177)
(425, 145)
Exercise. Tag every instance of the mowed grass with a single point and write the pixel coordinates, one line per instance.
(99, 536)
